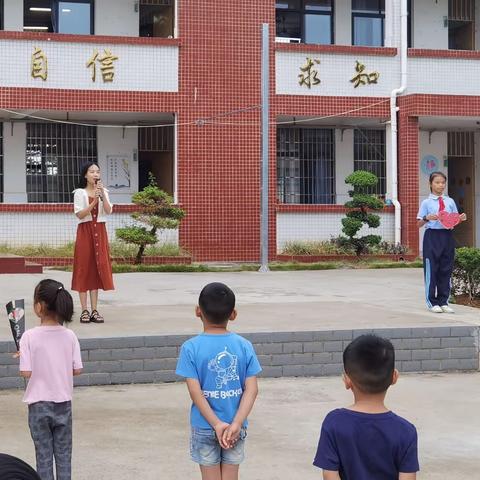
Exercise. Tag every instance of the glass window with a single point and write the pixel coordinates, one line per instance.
(55, 154)
(289, 25)
(368, 6)
(157, 18)
(369, 154)
(75, 17)
(306, 165)
(288, 4)
(1, 15)
(37, 16)
(317, 29)
(308, 21)
(368, 31)
(368, 17)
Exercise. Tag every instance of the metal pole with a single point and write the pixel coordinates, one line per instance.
(264, 172)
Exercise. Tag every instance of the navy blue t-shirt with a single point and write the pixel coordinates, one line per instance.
(366, 446)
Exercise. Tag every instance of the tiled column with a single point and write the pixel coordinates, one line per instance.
(408, 158)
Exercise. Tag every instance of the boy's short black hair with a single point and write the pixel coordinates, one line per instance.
(216, 301)
(369, 361)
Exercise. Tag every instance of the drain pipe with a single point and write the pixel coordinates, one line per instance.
(393, 120)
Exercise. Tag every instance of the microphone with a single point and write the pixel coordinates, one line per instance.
(100, 196)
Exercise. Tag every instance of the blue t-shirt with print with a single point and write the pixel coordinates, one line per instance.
(220, 363)
(367, 446)
(432, 205)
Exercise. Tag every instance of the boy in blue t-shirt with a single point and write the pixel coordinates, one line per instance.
(220, 368)
(366, 441)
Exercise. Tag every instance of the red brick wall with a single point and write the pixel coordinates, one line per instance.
(219, 166)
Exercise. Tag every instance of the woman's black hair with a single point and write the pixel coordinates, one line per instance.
(12, 468)
(57, 300)
(436, 174)
(83, 181)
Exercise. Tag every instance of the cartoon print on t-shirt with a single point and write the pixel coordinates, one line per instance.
(225, 365)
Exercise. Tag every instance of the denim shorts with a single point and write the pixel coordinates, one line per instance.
(205, 449)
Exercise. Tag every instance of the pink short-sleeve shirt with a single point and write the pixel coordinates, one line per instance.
(51, 353)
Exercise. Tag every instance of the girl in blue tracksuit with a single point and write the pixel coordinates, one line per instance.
(438, 245)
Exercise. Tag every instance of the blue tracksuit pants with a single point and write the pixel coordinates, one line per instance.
(438, 257)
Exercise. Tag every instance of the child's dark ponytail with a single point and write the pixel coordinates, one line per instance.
(57, 300)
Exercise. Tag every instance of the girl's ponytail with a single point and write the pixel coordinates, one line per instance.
(57, 300)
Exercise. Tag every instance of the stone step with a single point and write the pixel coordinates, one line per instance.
(10, 263)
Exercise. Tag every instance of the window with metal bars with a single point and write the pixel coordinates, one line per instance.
(369, 154)
(1, 162)
(460, 144)
(306, 165)
(157, 18)
(461, 24)
(55, 154)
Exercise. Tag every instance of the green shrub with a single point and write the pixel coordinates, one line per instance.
(359, 212)
(466, 272)
(340, 245)
(156, 210)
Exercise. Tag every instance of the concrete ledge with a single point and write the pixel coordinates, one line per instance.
(152, 359)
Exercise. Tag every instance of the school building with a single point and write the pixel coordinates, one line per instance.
(174, 87)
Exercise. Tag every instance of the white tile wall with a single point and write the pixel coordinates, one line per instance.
(425, 75)
(57, 229)
(293, 227)
(448, 76)
(138, 68)
(335, 72)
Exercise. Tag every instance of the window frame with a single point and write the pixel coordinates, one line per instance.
(302, 12)
(382, 180)
(92, 14)
(39, 135)
(379, 14)
(174, 20)
(305, 182)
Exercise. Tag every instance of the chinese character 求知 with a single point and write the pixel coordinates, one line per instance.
(309, 75)
(362, 78)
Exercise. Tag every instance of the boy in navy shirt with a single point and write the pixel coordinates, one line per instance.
(366, 441)
(220, 368)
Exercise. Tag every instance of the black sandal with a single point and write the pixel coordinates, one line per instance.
(85, 317)
(95, 317)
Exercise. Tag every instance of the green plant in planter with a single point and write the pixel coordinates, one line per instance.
(157, 211)
(359, 206)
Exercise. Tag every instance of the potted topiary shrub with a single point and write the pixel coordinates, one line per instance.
(359, 212)
(155, 210)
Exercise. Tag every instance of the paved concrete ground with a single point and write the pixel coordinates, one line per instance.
(163, 303)
(141, 431)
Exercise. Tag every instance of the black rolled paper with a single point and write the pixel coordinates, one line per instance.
(16, 317)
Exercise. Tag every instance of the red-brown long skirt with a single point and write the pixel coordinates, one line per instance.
(92, 269)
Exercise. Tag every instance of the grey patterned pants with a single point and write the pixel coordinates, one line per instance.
(51, 429)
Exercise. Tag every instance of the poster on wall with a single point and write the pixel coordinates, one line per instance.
(118, 171)
(429, 164)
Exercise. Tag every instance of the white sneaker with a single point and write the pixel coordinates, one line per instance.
(436, 309)
(447, 309)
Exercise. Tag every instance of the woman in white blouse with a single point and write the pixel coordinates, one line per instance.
(92, 269)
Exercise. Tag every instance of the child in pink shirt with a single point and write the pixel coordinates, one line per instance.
(49, 358)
